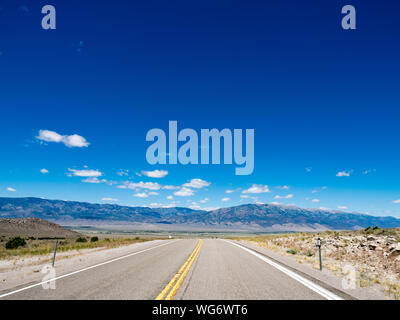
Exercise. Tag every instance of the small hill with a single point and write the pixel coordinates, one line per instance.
(34, 227)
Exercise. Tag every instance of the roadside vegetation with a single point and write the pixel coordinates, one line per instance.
(373, 252)
(17, 246)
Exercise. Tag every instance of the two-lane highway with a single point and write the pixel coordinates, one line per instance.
(180, 269)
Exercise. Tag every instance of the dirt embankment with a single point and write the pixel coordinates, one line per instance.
(33, 227)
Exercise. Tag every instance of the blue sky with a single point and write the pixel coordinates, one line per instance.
(321, 100)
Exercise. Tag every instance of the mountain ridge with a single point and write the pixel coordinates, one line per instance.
(246, 217)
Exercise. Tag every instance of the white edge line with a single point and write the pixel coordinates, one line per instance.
(84, 269)
(309, 284)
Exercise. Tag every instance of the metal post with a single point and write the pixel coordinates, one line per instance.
(55, 251)
(319, 252)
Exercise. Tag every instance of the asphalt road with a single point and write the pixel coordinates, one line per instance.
(190, 268)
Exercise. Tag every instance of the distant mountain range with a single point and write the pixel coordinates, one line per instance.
(247, 217)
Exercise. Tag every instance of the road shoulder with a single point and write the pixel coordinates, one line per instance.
(324, 278)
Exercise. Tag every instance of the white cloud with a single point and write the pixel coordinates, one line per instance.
(109, 199)
(94, 180)
(211, 208)
(204, 200)
(68, 140)
(197, 184)
(155, 173)
(195, 207)
(225, 199)
(85, 173)
(169, 187)
(317, 189)
(342, 207)
(160, 205)
(44, 171)
(232, 190)
(325, 208)
(285, 187)
(275, 203)
(308, 169)
(396, 201)
(343, 174)
(11, 189)
(256, 188)
(184, 192)
(152, 193)
(170, 197)
(289, 196)
(141, 185)
(368, 171)
(123, 172)
(141, 195)
(315, 200)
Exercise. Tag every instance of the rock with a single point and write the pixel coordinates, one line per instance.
(394, 250)
(391, 240)
(371, 238)
(372, 246)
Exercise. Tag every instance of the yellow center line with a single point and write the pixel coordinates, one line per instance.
(180, 275)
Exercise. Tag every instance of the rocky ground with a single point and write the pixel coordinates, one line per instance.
(371, 257)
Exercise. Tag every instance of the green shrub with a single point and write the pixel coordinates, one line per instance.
(137, 238)
(291, 251)
(81, 239)
(94, 239)
(309, 254)
(15, 242)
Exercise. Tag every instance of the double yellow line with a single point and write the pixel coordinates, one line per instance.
(172, 287)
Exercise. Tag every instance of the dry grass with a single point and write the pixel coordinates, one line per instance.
(36, 247)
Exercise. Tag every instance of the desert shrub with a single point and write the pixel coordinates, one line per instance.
(137, 238)
(81, 239)
(94, 239)
(309, 254)
(368, 230)
(15, 242)
(291, 251)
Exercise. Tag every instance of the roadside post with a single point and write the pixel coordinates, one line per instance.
(55, 251)
(319, 253)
